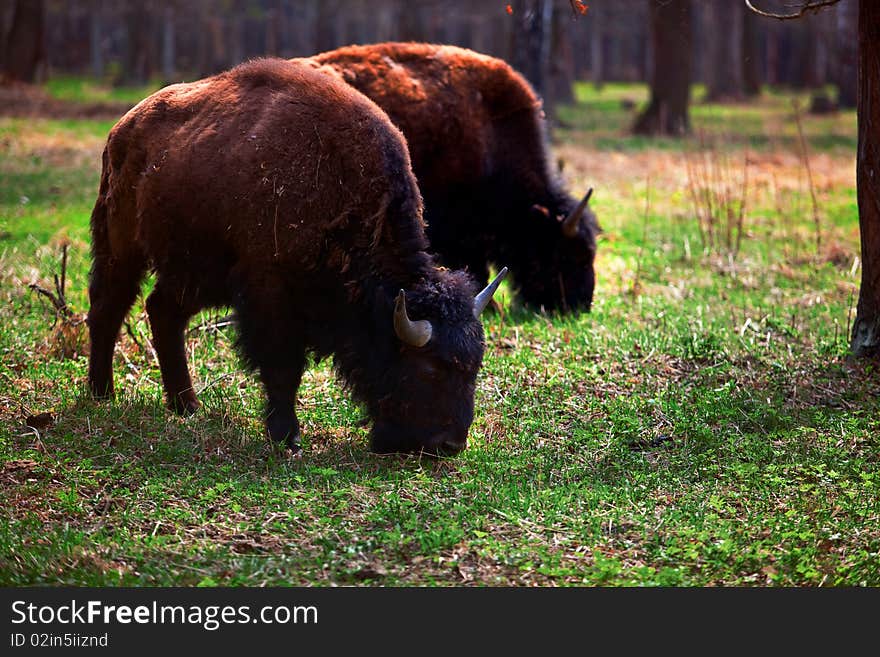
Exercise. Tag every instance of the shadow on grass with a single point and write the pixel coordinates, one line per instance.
(137, 439)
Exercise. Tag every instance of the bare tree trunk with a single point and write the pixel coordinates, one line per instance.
(532, 37)
(751, 54)
(168, 42)
(866, 330)
(96, 33)
(326, 37)
(772, 62)
(24, 54)
(596, 59)
(724, 79)
(670, 82)
(235, 34)
(814, 51)
(273, 28)
(562, 59)
(411, 21)
(847, 72)
(138, 65)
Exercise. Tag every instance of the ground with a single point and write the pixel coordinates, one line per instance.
(702, 426)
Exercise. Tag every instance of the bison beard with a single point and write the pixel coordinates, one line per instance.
(289, 196)
(475, 132)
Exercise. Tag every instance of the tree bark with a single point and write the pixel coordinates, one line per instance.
(326, 28)
(596, 34)
(847, 72)
(531, 43)
(562, 59)
(96, 31)
(138, 45)
(168, 57)
(724, 79)
(24, 56)
(671, 34)
(866, 330)
(751, 54)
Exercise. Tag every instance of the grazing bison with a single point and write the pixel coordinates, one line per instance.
(287, 195)
(475, 132)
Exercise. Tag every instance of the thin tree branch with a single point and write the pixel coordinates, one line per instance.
(806, 8)
(578, 8)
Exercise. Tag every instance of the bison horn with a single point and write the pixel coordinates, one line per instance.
(572, 222)
(483, 298)
(414, 333)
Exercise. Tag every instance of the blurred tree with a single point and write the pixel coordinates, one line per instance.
(531, 44)
(139, 52)
(24, 54)
(847, 73)
(96, 38)
(724, 75)
(597, 70)
(751, 54)
(168, 56)
(671, 36)
(562, 56)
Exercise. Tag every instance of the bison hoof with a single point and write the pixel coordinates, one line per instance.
(184, 405)
(101, 393)
(291, 445)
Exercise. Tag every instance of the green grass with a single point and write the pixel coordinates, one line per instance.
(599, 120)
(703, 425)
(85, 90)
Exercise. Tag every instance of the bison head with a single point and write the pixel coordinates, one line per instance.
(426, 399)
(558, 273)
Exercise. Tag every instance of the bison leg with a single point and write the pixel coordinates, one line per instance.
(281, 384)
(113, 286)
(168, 320)
(271, 343)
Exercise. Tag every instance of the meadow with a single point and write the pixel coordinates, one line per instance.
(703, 425)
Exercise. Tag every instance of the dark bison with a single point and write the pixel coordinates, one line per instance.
(289, 196)
(476, 136)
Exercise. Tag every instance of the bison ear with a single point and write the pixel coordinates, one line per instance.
(541, 210)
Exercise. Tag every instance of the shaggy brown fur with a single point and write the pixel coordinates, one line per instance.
(289, 196)
(475, 131)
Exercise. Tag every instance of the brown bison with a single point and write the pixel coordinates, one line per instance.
(476, 137)
(287, 195)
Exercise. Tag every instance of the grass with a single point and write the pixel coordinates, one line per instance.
(704, 427)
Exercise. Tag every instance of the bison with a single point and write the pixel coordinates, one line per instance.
(290, 197)
(476, 137)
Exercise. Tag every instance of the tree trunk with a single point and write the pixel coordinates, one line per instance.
(138, 45)
(326, 29)
(724, 79)
(597, 70)
(168, 43)
(847, 72)
(866, 330)
(562, 59)
(531, 43)
(670, 82)
(96, 32)
(751, 54)
(25, 52)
